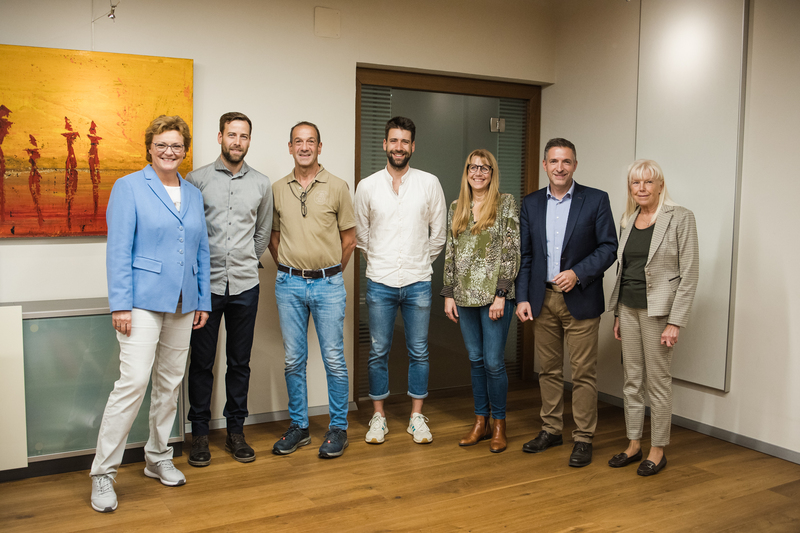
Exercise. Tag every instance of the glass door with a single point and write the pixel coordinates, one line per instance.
(449, 127)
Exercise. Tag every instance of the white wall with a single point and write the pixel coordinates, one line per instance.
(262, 58)
(598, 62)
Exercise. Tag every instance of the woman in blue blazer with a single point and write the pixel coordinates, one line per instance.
(157, 264)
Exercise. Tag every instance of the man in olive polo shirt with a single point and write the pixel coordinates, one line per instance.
(313, 237)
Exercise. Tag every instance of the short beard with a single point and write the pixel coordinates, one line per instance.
(402, 164)
(230, 158)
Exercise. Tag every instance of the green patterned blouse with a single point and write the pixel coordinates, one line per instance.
(475, 266)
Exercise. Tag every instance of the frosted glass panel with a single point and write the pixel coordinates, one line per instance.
(71, 364)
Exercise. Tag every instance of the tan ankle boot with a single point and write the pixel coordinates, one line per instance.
(480, 431)
(499, 442)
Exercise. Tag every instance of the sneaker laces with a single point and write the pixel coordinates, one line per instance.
(376, 419)
(289, 431)
(166, 465)
(104, 484)
(332, 435)
(418, 422)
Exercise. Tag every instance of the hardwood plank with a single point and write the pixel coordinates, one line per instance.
(708, 485)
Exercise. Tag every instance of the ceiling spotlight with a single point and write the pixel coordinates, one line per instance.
(111, 13)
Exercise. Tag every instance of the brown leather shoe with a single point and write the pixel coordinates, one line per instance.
(499, 442)
(480, 431)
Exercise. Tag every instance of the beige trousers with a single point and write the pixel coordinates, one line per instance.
(158, 345)
(643, 356)
(550, 328)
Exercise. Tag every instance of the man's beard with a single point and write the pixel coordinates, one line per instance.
(403, 162)
(231, 158)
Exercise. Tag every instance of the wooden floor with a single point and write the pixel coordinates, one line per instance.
(708, 486)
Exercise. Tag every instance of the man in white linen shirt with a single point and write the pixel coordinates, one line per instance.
(400, 228)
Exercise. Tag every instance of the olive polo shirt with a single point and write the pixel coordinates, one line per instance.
(312, 241)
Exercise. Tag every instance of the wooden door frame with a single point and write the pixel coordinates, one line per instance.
(532, 94)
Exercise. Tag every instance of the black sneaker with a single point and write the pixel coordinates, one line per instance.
(333, 444)
(291, 440)
(200, 455)
(236, 445)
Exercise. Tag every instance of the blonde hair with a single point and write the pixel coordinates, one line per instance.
(488, 212)
(637, 170)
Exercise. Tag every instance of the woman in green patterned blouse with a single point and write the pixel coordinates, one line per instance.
(481, 262)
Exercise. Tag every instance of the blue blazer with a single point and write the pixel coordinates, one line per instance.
(155, 253)
(590, 247)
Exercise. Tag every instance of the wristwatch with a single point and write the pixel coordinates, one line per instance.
(500, 293)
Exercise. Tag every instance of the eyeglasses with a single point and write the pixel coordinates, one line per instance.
(176, 148)
(303, 196)
(474, 169)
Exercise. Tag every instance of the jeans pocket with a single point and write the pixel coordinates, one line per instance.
(337, 279)
(281, 277)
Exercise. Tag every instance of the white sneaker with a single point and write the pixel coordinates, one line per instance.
(377, 429)
(166, 472)
(419, 429)
(104, 499)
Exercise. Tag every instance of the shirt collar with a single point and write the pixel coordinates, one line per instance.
(220, 166)
(322, 175)
(403, 178)
(569, 194)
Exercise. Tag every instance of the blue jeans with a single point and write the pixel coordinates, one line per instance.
(485, 340)
(414, 302)
(324, 299)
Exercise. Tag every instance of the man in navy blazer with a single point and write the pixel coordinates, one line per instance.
(568, 240)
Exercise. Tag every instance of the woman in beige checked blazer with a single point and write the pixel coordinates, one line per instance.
(657, 271)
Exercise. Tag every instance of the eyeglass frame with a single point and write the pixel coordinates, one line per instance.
(162, 148)
(482, 169)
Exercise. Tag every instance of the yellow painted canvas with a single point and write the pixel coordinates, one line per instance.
(72, 123)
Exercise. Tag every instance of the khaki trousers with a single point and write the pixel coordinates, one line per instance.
(553, 324)
(643, 356)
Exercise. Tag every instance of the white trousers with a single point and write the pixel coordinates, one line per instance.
(159, 343)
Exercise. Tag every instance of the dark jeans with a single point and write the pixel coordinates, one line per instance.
(485, 340)
(240, 320)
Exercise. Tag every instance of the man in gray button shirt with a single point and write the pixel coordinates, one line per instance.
(238, 206)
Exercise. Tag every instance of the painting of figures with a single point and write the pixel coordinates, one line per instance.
(71, 123)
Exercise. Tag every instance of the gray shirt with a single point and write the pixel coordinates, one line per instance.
(239, 219)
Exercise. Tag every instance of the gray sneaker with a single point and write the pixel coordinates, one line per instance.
(291, 440)
(104, 499)
(166, 472)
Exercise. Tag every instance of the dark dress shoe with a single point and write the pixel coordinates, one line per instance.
(241, 451)
(482, 430)
(200, 455)
(649, 468)
(581, 454)
(622, 459)
(542, 441)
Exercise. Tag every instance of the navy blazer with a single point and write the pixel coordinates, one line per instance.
(590, 247)
(155, 253)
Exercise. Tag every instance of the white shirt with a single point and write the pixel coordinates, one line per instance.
(402, 233)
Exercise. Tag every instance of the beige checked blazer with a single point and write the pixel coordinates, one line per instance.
(672, 268)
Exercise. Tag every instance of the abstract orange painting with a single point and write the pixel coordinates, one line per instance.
(71, 123)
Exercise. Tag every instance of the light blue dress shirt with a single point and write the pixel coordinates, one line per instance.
(557, 215)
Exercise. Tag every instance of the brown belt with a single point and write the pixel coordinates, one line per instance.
(309, 273)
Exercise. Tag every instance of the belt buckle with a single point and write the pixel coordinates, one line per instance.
(303, 273)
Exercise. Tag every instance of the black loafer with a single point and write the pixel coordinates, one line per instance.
(622, 459)
(581, 454)
(542, 441)
(649, 468)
